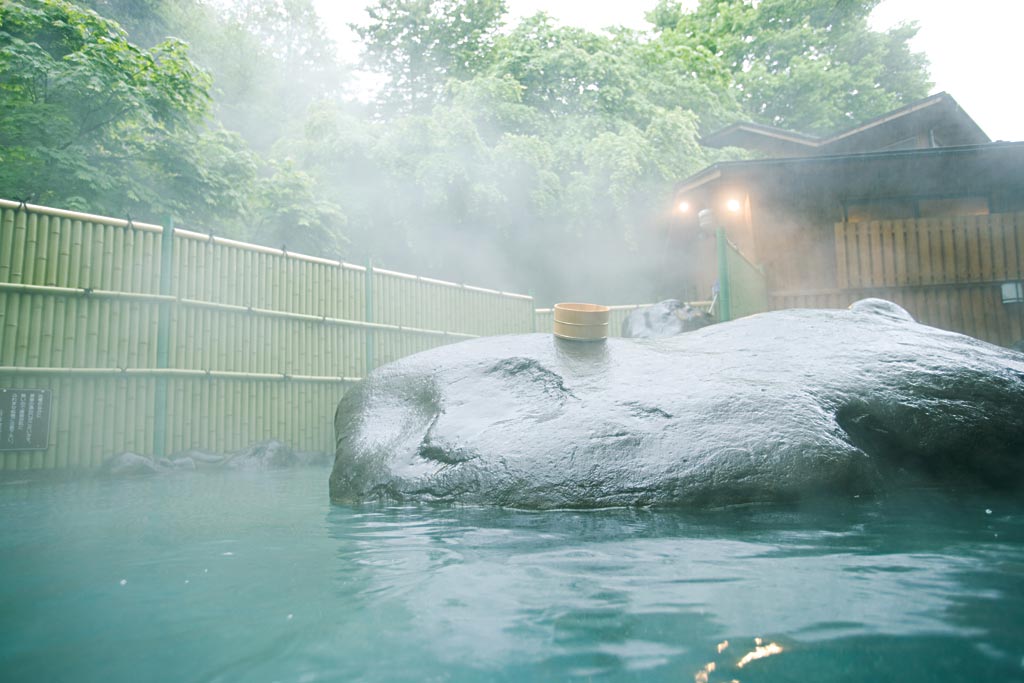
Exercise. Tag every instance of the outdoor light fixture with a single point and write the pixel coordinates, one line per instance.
(1013, 292)
(683, 206)
(706, 220)
(733, 205)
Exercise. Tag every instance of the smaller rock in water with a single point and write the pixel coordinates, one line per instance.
(187, 464)
(129, 464)
(199, 457)
(664, 319)
(265, 455)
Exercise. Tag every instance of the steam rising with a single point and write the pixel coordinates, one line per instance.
(513, 154)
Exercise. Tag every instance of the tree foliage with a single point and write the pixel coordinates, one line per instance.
(90, 120)
(422, 44)
(808, 65)
(272, 60)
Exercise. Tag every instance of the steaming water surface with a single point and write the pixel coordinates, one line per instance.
(256, 577)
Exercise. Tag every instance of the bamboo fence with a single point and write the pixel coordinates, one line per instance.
(159, 341)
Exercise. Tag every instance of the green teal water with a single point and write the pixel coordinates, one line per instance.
(256, 577)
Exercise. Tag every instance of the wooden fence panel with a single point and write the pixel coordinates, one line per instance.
(842, 257)
(947, 270)
(812, 299)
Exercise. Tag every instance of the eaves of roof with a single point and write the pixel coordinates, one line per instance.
(723, 168)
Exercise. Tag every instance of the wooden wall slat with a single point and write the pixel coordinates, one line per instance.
(888, 255)
(899, 253)
(930, 251)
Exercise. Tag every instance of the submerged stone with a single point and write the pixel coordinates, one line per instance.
(772, 407)
(130, 464)
(265, 455)
(275, 455)
(178, 463)
(198, 457)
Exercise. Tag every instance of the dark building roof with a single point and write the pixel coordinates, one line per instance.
(936, 121)
(892, 172)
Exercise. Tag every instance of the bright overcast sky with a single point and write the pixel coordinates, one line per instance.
(974, 47)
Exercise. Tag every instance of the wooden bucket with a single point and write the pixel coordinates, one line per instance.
(581, 322)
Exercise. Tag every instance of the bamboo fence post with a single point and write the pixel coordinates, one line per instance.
(114, 255)
(17, 272)
(89, 249)
(46, 341)
(368, 291)
(6, 245)
(52, 250)
(31, 247)
(162, 341)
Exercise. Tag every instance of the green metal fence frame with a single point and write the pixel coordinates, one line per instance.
(742, 286)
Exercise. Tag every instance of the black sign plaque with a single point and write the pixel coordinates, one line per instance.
(24, 419)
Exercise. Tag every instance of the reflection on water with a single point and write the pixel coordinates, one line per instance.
(760, 651)
(592, 594)
(256, 577)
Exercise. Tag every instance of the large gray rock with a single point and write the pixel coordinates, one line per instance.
(771, 407)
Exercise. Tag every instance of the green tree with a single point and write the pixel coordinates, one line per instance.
(148, 22)
(807, 65)
(485, 152)
(89, 120)
(556, 141)
(287, 211)
(271, 61)
(421, 44)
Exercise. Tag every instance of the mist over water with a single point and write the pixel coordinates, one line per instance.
(254, 576)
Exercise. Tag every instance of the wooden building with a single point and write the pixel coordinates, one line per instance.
(917, 206)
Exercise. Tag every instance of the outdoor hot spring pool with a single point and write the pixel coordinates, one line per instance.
(255, 577)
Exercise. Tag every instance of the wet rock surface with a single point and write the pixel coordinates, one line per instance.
(664, 319)
(773, 407)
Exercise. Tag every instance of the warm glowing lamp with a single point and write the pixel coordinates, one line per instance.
(733, 205)
(683, 206)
